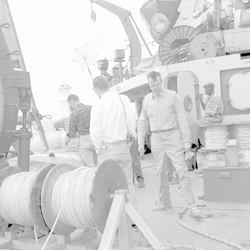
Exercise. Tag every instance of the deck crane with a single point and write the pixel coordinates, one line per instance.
(127, 21)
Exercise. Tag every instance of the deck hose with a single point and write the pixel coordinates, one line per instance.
(203, 233)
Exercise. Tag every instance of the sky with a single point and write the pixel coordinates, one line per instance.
(49, 32)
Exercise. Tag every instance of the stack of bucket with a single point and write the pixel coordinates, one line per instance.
(244, 144)
(232, 154)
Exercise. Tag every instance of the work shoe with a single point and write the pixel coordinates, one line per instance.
(175, 181)
(196, 213)
(141, 183)
(159, 207)
(134, 227)
(198, 171)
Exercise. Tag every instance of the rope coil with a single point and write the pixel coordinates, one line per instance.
(229, 243)
(216, 137)
(244, 136)
(71, 192)
(14, 198)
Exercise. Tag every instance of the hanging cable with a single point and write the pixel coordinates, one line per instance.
(98, 40)
(48, 117)
(54, 225)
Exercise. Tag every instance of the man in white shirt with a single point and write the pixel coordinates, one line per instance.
(111, 121)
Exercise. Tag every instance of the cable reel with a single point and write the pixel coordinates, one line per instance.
(37, 198)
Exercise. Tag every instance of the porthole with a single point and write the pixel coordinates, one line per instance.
(188, 104)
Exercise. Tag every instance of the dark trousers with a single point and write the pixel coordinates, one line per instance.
(136, 164)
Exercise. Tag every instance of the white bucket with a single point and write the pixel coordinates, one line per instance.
(200, 159)
(232, 155)
(244, 157)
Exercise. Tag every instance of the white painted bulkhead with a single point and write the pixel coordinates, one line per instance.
(219, 70)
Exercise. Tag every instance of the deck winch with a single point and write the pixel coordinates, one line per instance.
(69, 197)
(59, 200)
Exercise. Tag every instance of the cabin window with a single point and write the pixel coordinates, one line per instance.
(239, 89)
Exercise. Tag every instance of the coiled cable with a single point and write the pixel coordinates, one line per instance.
(203, 233)
(244, 136)
(216, 137)
(75, 187)
(14, 198)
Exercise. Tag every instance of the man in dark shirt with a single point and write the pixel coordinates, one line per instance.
(79, 122)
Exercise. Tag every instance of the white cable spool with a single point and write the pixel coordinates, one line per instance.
(244, 136)
(216, 137)
(75, 187)
(80, 197)
(20, 197)
(14, 196)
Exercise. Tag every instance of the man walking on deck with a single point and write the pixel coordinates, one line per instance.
(111, 123)
(162, 111)
(79, 122)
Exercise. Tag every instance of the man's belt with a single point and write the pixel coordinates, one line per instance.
(162, 130)
(83, 135)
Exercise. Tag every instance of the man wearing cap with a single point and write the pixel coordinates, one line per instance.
(213, 107)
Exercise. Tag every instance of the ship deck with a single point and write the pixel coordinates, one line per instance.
(229, 221)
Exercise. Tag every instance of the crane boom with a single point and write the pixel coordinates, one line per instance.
(125, 16)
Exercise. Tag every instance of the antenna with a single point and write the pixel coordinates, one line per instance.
(83, 56)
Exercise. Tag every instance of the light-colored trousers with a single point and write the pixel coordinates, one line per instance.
(119, 152)
(172, 174)
(196, 129)
(87, 151)
(170, 144)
